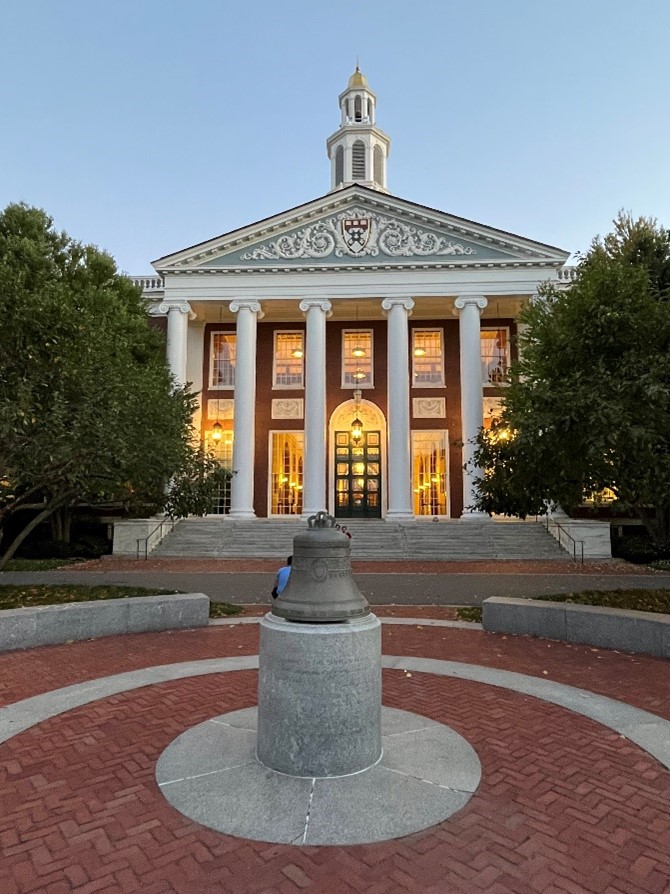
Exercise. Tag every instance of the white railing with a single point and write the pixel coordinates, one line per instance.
(566, 274)
(148, 283)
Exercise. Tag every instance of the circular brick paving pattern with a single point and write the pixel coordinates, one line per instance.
(564, 805)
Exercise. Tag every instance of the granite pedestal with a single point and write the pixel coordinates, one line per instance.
(319, 696)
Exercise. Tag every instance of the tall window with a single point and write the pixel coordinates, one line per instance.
(429, 480)
(358, 160)
(427, 358)
(222, 360)
(289, 362)
(357, 358)
(358, 114)
(286, 459)
(495, 355)
(222, 449)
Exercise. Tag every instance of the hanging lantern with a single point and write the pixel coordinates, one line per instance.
(356, 430)
(358, 351)
(217, 431)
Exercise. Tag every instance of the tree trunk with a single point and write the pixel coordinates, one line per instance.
(37, 520)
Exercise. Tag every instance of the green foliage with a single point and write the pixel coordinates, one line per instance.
(88, 409)
(195, 485)
(588, 405)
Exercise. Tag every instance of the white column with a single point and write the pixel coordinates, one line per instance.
(314, 476)
(397, 311)
(469, 308)
(242, 484)
(178, 315)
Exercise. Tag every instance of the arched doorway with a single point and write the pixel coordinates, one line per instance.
(357, 468)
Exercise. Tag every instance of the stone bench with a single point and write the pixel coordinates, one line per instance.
(607, 628)
(48, 625)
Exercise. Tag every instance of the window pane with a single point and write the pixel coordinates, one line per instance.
(495, 355)
(289, 354)
(287, 456)
(356, 358)
(427, 357)
(223, 360)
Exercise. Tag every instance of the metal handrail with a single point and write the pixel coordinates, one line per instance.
(159, 527)
(575, 543)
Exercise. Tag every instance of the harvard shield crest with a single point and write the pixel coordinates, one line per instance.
(356, 232)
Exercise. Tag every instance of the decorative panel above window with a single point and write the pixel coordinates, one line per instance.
(427, 358)
(222, 360)
(495, 355)
(357, 358)
(289, 360)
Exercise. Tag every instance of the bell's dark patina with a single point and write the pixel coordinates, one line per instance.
(321, 588)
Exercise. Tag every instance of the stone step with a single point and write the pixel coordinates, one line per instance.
(451, 540)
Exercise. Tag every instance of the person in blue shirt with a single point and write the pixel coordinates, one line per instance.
(282, 578)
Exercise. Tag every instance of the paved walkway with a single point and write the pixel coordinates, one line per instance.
(247, 581)
(565, 804)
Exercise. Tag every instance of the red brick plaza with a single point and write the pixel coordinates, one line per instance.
(565, 804)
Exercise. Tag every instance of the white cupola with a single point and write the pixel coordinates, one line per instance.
(358, 149)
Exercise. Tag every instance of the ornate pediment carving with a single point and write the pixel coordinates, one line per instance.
(358, 232)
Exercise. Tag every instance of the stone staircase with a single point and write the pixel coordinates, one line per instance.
(448, 540)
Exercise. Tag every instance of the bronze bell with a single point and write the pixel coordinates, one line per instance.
(320, 588)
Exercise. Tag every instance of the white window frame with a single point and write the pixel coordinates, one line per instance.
(508, 355)
(278, 386)
(355, 384)
(441, 383)
(212, 385)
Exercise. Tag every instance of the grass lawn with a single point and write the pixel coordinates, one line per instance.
(39, 564)
(657, 601)
(28, 596)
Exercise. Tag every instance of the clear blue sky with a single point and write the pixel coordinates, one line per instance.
(146, 126)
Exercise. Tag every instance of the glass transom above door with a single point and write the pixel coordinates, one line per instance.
(358, 475)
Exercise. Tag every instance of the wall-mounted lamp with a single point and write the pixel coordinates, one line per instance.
(217, 431)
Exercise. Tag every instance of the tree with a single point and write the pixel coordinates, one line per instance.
(588, 404)
(88, 409)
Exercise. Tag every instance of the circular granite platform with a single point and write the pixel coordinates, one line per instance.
(211, 774)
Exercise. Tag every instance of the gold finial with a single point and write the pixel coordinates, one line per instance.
(357, 79)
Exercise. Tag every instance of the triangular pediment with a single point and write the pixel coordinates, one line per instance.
(359, 227)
